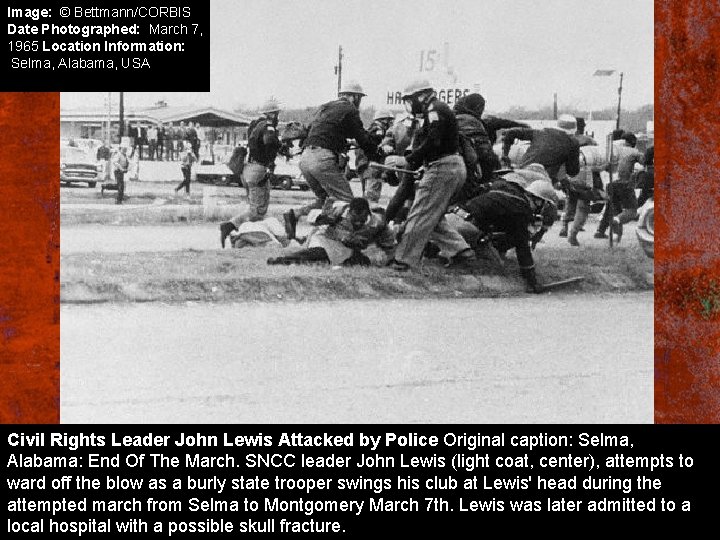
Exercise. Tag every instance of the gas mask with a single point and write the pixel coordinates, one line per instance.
(353, 98)
(272, 118)
(413, 105)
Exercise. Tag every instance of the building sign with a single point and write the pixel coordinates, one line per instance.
(449, 95)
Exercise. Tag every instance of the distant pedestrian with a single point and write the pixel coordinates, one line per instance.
(152, 135)
(161, 135)
(121, 165)
(186, 167)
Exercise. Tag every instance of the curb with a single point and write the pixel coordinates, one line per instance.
(340, 285)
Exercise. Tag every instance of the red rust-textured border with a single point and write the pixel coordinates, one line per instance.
(29, 258)
(687, 263)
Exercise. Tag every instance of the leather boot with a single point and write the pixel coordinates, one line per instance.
(290, 220)
(617, 228)
(225, 229)
(564, 230)
(531, 283)
(572, 238)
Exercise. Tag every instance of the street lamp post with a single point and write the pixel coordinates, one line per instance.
(617, 123)
(607, 73)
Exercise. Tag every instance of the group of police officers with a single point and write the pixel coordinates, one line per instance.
(454, 200)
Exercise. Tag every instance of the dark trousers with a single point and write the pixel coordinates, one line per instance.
(319, 255)
(120, 181)
(646, 183)
(186, 180)
(622, 201)
(139, 147)
(404, 192)
(303, 256)
(160, 150)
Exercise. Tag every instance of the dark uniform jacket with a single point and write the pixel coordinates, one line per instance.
(505, 208)
(263, 143)
(550, 147)
(334, 123)
(472, 129)
(437, 136)
(494, 124)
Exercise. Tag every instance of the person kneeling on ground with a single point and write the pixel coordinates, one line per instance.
(343, 231)
(522, 214)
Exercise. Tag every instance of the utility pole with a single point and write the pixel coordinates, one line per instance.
(338, 68)
(617, 124)
(555, 106)
(109, 119)
(121, 125)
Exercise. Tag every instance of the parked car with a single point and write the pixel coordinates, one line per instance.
(287, 174)
(646, 228)
(77, 166)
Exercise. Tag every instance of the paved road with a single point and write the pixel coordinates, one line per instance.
(559, 358)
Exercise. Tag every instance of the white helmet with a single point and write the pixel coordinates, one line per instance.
(544, 190)
(568, 123)
(415, 87)
(515, 178)
(383, 114)
(352, 87)
(270, 106)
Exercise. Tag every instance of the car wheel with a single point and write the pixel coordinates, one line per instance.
(92, 184)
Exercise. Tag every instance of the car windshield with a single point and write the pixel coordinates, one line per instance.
(69, 153)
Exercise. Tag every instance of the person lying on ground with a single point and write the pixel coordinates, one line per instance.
(342, 232)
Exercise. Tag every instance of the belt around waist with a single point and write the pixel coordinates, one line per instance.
(256, 162)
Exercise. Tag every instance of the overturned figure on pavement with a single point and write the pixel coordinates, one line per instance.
(522, 214)
(342, 232)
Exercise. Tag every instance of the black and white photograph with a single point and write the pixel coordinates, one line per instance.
(400, 211)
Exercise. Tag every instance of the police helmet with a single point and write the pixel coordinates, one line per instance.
(416, 87)
(544, 190)
(352, 87)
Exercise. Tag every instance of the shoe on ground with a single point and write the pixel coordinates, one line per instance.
(600, 235)
(465, 257)
(225, 229)
(399, 266)
(279, 260)
(563, 233)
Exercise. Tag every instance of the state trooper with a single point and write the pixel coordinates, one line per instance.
(263, 146)
(522, 213)
(435, 146)
(322, 163)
